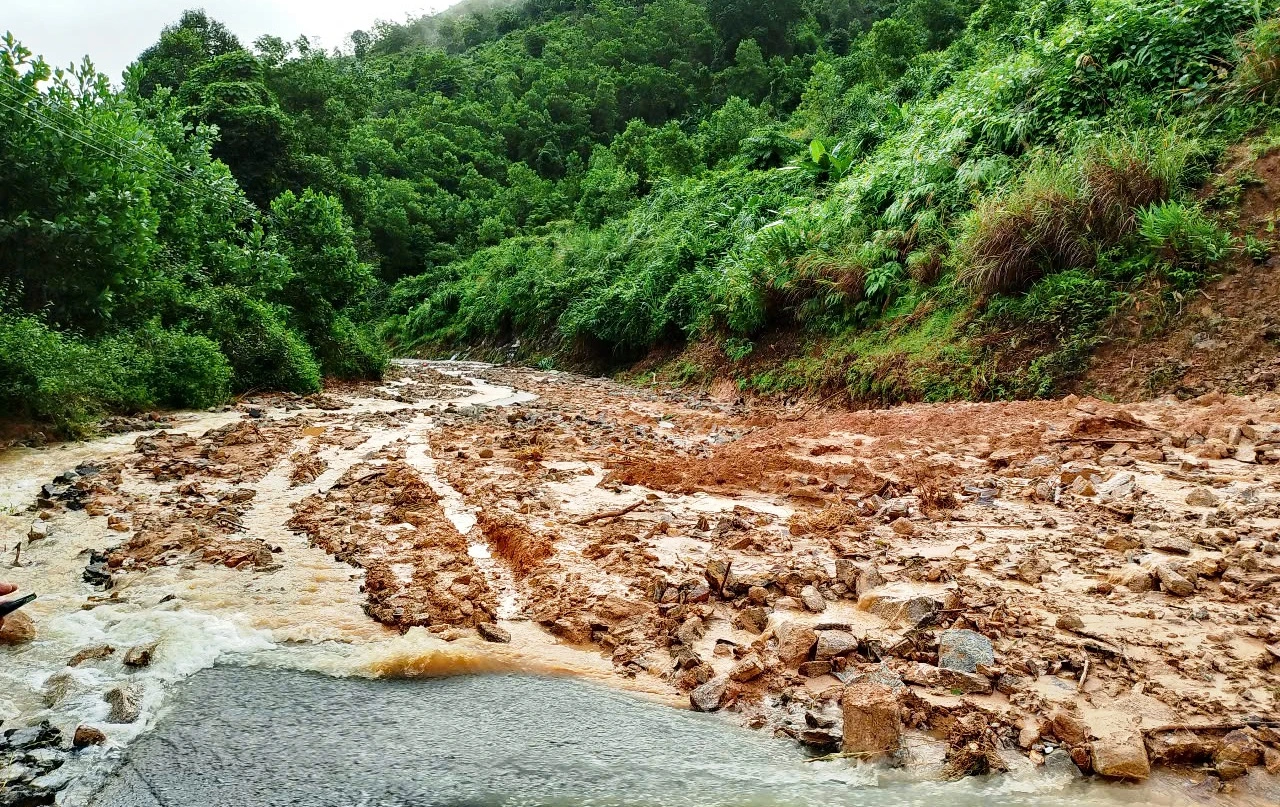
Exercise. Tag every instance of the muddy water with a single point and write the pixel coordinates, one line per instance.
(316, 710)
(254, 737)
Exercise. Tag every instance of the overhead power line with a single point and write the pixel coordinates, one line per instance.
(183, 177)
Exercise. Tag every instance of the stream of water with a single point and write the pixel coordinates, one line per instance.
(256, 737)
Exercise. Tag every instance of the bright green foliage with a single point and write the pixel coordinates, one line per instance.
(895, 181)
(135, 273)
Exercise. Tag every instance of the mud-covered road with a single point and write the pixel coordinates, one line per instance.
(959, 588)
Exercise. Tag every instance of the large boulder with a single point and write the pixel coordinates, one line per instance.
(872, 721)
(1121, 755)
(795, 641)
(964, 650)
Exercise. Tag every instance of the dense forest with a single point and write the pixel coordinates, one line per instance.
(930, 198)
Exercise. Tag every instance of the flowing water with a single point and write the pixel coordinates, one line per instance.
(268, 737)
(276, 688)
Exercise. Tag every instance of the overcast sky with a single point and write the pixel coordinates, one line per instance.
(114, 32)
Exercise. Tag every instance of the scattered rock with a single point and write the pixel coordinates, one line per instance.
(832, 643)
(716, 571)
(795, 641)
(492, 633)
(1180, 748)
(872, 721)
(91, 654)
(1031, 570)
(749, 667)
(812, 599)
(954, 680)
(17, 628)
(709, 696)
(1236, 752)
(1202, 497)
(57, 687)
(815, 669)
(125, 703)
(753, 620)
(1068, 728)
(1174, 583)
(1069, 622)
(1172, 544)
(1122, 755)
(140, 655)
(868, 579)
(86, 736)
(964, 650)
(1135, 578)
(898, 605)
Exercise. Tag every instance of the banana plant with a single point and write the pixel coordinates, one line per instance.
(822, 164)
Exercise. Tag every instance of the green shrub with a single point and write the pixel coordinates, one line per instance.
(1036, 230)
(49, 376)
(1258, 74)
(1183, 241)
(263, 351)
(154, 366)
(351, 351)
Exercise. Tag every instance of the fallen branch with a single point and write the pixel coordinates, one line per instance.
(582, 522)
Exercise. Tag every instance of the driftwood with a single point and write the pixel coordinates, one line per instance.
(622, 511)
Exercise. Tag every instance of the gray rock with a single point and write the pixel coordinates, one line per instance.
(833, 643)
(126, 706)
(1059, 763)
(964, 650)
(877, 674)
(41, 735)
(709, 696)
